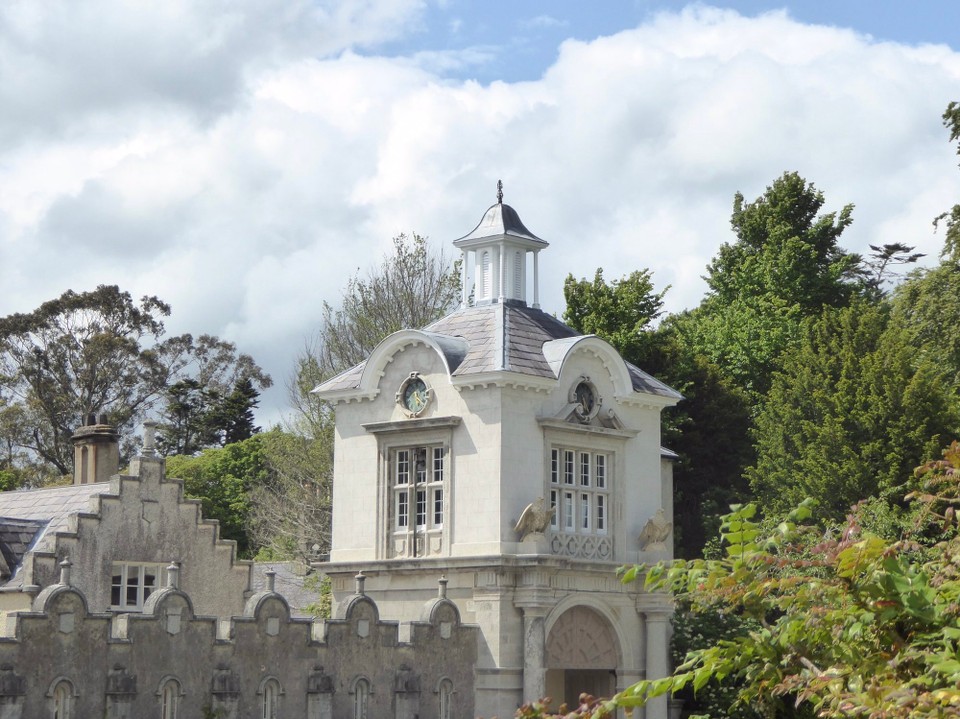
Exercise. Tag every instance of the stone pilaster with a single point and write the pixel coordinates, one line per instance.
(534, 598)
(656, 610)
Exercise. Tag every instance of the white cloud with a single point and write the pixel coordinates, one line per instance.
(240, 161)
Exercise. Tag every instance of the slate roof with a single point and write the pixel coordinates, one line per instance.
(290, 580)
(16, 537)
(504, 336)
(500, 221)
(49, 510)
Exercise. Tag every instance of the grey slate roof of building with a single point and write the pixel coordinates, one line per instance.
(506, 336)
(500, 221)
(291, 580)
(16, 537)
(50, 509)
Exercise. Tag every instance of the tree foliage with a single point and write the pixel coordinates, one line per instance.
(851, 624)
(409, 289)
(620, 311)
(951, 218)
(292, 508)
(852, 412)
(99, 352)
(224, 479)
(786, 264)
(412, 287)
(709, 428)
(79, 354)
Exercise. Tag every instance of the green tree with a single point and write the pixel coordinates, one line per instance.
(708, 430)
(98, 352)
(786, 264)
(224, 479)
(928, 302)
(621, 311)
(80, 354)
(292, 509)
(951, 219)
(847, 624)
(409, 289)
(853, 410)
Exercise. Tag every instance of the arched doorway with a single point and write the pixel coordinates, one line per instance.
(582, 656)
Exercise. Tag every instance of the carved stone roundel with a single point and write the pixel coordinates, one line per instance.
(582, 639)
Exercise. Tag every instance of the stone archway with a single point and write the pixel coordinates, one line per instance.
(582, 655)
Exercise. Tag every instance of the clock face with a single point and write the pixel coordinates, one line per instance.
(585, 396)
(415, 395)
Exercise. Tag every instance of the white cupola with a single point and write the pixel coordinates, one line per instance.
(497, 252)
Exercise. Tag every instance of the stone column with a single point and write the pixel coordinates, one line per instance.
(534, 653)
(536, 279)
(657, 610)
(533, 598)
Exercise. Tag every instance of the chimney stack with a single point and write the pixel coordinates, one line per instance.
(96, 451)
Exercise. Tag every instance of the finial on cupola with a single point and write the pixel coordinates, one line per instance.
(499, 192)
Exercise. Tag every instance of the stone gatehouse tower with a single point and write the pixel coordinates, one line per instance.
(519, 460)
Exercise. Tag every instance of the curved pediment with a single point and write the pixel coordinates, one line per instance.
(558, 353)
(450, 350)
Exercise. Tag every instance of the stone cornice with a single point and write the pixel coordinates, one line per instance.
(412, 425)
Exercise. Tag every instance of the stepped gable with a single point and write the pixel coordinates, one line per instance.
(39, 513)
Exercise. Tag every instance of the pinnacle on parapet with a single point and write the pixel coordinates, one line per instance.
(442, 582)
(361, 578)
(65, 572)
(173, 576)
(149, 438)
(271, 579)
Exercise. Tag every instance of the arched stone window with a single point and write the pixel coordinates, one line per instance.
(361, 698)
(170, 693)
(445, 698)
(62, 698)
(270, 691)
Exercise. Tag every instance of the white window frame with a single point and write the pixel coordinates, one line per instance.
(418, 492)
(133, 576)
(579, 489)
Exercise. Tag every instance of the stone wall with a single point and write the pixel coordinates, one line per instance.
(119, 665)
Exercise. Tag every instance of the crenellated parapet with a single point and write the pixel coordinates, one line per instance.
(132, 664)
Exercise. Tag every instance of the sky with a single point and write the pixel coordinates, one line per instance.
(242, 160)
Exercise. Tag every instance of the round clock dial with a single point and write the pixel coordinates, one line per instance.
(415, 395)
(585, 396)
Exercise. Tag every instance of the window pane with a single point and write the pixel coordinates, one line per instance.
(555, 466)
(601, 471)
(438, 508)
(585, 512)
(601, 513)
(133, 586)
(585, 469)
(438, 464)
(403, 509)
(568, 510)
(554, 520)
(567, 467)
(403, 467)
(116, 585)
(421, 508)
(420, 453)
